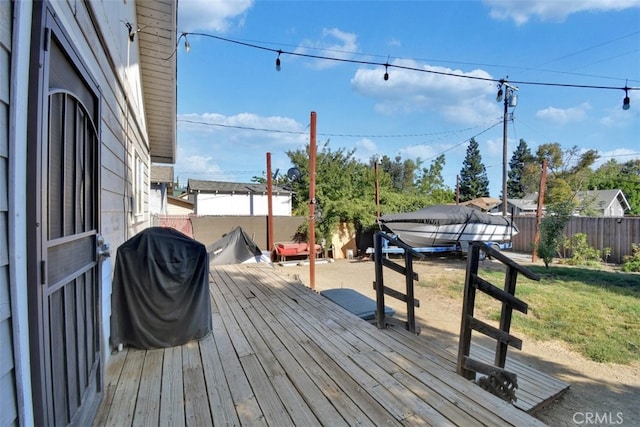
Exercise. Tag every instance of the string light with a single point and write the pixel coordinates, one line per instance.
(500, 92)
(132, 34)
(625, 105)
(626, 102)
(403, 67)
(187, 45)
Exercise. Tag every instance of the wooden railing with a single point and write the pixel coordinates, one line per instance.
(382, 320)
(468, 367)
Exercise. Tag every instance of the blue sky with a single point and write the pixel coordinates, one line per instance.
(227, 90)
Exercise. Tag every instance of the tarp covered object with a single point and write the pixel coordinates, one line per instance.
(235, 248)
(446, 214)
(160, 292)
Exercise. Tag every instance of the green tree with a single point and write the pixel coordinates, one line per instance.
(551, 229)
(344, 189)
(569, 171)
(517, 185)
(401, 172)
(431, 184)
(473, 175)
(624, 176)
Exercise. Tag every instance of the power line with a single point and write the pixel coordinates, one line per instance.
(334, 135)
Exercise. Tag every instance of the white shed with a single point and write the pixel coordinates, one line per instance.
(237, 199)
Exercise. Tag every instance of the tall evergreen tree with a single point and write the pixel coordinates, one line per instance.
(516, 187)
(473, 175)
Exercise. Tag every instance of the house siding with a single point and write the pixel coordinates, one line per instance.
(97, 32)
(8, 399)
(104, 45)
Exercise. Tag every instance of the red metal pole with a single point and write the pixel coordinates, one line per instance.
(377, 190)
(269, 204)
(543, 186)
(312, 203)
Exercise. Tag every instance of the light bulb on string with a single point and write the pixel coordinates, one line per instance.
(278, 61)
(386, 72)
(626, 102)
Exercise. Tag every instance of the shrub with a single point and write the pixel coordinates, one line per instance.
(632, 262)
(581, 252)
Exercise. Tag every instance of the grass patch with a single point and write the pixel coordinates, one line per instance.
(596, 312)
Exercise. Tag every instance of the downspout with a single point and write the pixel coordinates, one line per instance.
(126, 196)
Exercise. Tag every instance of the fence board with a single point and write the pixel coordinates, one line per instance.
(615, 233)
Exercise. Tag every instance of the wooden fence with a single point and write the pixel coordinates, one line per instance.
(208, 229)
(615, 233)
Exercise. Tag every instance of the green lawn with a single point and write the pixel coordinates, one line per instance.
(596, 312)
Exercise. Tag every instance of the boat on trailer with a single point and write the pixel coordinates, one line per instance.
(447, 225)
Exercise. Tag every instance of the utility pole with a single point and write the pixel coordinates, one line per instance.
(510, 100)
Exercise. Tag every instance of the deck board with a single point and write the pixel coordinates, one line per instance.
(147, 408)
(172, 396)
(280, 354)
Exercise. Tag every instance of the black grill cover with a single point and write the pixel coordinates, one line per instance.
(160, 290)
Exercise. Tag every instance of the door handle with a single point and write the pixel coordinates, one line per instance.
(103, 250)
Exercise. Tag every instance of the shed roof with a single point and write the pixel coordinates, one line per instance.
(230, 187)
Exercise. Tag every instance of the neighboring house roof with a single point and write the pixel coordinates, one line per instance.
(177, 201)
(161, 174)
(603, 199)
(524, 204)
(224, 187)
(156, 33)
(482, 203)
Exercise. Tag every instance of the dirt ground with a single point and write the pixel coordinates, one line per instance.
(600, 393)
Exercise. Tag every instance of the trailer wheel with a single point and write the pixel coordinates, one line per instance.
(495, 247)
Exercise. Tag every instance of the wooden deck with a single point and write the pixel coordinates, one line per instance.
(281, 354)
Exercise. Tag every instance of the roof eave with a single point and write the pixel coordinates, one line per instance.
(158, 66)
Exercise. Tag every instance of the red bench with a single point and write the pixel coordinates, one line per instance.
(293, 249)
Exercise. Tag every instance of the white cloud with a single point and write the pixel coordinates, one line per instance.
(365, 149)
(335, 43)
(422, 151)
(468, 100)
(564, 115)
(621, 155)
(394, 42)
(616, 117)
(206, 15)
(552, 10)
(245, 128)
(215, 146)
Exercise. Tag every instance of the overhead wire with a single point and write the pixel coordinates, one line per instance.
(387, 65)
(344, 135)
